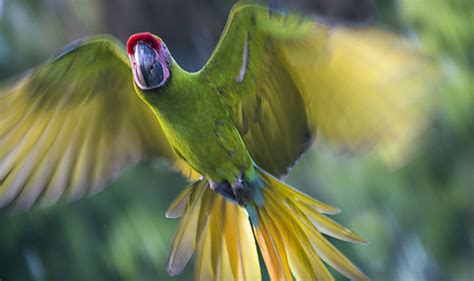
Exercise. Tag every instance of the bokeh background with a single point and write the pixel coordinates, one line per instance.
(419, 218)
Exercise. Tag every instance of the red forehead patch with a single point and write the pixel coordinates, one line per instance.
(146, 37)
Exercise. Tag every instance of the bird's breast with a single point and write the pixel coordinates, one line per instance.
(208, 140)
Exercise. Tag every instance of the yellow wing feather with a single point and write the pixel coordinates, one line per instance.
(364, 89)
(71, 125)
(355, 88)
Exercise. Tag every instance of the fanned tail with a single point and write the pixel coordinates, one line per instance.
(220, 233)
(287, 227)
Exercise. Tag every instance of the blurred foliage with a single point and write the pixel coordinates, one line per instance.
(419, 219)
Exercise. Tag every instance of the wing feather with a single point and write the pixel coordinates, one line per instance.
(356, 88)
(73, 124)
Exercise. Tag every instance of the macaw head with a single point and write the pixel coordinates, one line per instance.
(151, 60)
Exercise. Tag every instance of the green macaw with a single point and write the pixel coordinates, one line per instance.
(234, 128)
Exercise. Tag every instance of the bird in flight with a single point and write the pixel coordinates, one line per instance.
(234, 128)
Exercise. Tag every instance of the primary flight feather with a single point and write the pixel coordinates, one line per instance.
(234, 128)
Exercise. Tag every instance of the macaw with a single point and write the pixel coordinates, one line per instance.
(234, 128)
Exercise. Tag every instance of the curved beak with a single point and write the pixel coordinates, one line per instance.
(145, 59)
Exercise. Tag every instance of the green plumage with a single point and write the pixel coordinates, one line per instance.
(198, 126)
(230, 98)
(237, 126)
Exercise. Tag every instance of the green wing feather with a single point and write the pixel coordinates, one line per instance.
(287, 78)
(73, 124)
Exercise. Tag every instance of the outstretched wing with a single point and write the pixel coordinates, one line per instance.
(73, 124)
(287, 78)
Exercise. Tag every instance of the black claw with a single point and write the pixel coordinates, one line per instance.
(239, 191)
(224, 189)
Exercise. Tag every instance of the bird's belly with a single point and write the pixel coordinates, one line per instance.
(213, 148)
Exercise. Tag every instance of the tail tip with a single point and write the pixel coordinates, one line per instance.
(172, 271)
(169, 215)
(174, 267)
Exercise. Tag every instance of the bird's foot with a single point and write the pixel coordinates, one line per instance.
(223, 188)
(242, 190)
(239, 191)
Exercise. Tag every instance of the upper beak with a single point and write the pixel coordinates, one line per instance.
(144, 57)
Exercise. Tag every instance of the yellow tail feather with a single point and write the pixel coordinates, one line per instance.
(287, 227)
(220, 233)
(299, 223)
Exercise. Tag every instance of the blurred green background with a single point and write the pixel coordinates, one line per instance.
(419, 218)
